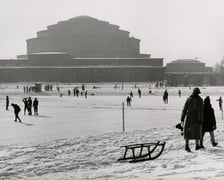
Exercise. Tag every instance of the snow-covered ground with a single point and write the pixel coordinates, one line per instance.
(78, 138)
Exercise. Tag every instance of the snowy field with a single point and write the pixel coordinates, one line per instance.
(80, 138)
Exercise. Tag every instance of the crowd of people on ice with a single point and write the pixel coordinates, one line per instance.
(197, 117)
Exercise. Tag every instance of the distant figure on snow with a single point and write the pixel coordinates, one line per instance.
(35, 106)
(139, 93)
(29, 106)
(179, 93)
(220, 102)
(131, 94)
(16, 112)
(128, 100)
(86, 93)
(26, 108)
(165, 96)
(69, 92)
(209, 123)
(192, 118)
(7, 103)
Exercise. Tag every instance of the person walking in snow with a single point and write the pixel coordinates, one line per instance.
(192, 118)
(16, 112)
(209, 123)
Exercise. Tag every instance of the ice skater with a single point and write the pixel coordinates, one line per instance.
(16, 112)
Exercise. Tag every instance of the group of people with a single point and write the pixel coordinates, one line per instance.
(28, 104)
(198, 118)
(130, 97)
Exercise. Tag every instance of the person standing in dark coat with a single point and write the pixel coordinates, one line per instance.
(192, 118)
(209, 123)
(35, 106)
(29, 106)
(16, 112)
(26, 108)
(139, 92)
(165, 96)
(7, 103)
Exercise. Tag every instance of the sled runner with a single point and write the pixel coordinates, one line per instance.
(147, 151)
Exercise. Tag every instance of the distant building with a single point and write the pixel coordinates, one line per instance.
(82, 49)
(188, 72)
(187, 66)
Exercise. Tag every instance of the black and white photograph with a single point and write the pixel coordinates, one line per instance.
(111, 90)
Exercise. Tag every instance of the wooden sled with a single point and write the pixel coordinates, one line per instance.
(147, 151)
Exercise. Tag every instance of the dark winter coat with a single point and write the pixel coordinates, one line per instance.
(192, 116)
(16, 108)
(35, 103)
(209, 123)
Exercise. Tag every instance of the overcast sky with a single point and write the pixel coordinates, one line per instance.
(169, 29)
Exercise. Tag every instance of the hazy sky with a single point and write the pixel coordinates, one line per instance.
(169, 29)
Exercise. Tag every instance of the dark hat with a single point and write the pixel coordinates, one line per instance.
(196, 90)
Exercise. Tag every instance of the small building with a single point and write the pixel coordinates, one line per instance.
(188, 72)
(38, 87)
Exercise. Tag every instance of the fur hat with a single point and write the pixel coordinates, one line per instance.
(196, 90)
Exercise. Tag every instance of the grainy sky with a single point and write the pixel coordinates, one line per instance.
(171, 29)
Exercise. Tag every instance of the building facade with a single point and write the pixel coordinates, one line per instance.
(188, 72)
(82, 49)
(85, 36)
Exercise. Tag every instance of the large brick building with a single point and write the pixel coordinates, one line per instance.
(83, 49)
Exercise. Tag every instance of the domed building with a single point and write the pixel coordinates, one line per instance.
(84, 36)
(188, 72)
(83, 49)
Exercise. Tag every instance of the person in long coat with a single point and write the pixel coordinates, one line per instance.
(209, 123)
(35, 106)
(7, 103)
(192, 118)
